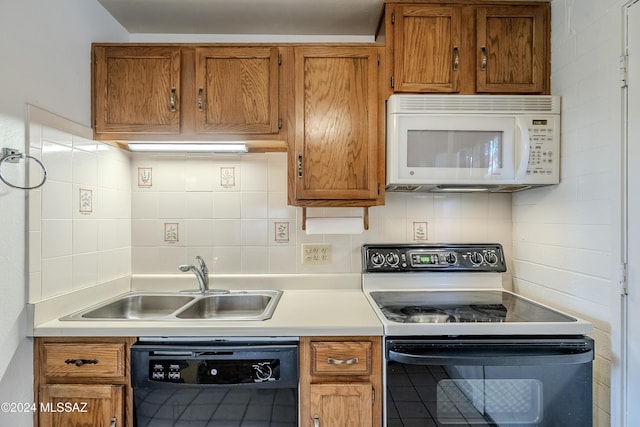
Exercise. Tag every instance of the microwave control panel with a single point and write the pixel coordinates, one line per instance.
(542, 151)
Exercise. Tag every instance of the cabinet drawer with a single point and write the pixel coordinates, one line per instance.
(341, 358)
(84, 360)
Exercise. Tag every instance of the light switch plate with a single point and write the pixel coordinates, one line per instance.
(316, 253)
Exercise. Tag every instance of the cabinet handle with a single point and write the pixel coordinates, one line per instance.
(200, 102)
(172, 100)
(332, 361)
(80, 362)
(456, 58)
(300, 165)
(483, 63)
(114, 422)
(316, 421)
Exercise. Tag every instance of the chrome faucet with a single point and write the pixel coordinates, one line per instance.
(202, 273)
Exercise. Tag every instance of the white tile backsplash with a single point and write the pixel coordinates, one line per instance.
(74, 245)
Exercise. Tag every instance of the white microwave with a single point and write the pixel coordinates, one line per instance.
(461, 143)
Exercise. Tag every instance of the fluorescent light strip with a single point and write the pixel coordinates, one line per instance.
(189, 147)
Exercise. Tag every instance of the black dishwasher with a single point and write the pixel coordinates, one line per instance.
(215, 382)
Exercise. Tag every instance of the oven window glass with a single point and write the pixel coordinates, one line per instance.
(479, 395)
(455, 149)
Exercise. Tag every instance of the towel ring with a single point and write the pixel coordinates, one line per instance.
(13, 156)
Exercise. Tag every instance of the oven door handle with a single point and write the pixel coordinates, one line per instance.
(466, 357)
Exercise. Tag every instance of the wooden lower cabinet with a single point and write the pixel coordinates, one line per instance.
(83, 382)
(75, 405)
(340, 381)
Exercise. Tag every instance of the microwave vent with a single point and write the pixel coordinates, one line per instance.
(473, 104)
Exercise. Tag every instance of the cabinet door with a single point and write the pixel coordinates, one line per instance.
(511, 49)
(77, 405)
(136, 89)
(336, 143)
(341, 405)
(427, 52)
(237, 90)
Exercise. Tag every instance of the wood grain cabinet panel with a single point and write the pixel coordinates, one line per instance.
(511, 43)
(85, 406)
(335, 153)
(136, 89)
(237, 89)
(83, 382)
(466, 47)
(341, 381)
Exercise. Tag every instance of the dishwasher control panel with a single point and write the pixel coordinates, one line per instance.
(243, 364)
(196, 371)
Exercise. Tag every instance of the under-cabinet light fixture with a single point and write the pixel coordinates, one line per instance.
(189, 147)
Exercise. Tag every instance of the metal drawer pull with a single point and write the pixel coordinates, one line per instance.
(200, 101)
(172, 100)
(483, 64)
(316, 421)
(80, 362)
(456, 58)
(114, 422)
(332, 361)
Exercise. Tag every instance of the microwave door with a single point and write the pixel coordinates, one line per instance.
(455, 149)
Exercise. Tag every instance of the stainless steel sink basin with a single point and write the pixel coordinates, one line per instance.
(254, 306)
(235, 305)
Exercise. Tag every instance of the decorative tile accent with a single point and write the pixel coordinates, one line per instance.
(145, 177)
(171, 234)
(227, 176)
(420, 231)
(86, 201)
(281, 232)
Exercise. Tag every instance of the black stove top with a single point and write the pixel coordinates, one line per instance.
(482, 306)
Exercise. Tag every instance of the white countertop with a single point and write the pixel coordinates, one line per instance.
(323, 306)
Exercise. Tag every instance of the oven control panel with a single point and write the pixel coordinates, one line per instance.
(433, 257)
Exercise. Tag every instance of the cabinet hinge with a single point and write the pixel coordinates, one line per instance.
(393, 18)
(378, 59)
(373, 395)
(299, 165)
(624, 63)
(279, 59)
(279, 122)
(378, 189)
(392, 83)
(622, 280)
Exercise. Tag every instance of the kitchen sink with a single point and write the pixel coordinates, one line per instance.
(177, 306)
(231, 306)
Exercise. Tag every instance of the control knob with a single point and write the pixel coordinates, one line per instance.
(491, 258)
(476, 258)
(377, 259)
(263, 371)
(450, 258)
(393, 259)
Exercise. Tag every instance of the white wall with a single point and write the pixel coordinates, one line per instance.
(45, 50)
(567, 238)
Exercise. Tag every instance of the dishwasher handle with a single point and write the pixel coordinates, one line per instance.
(471, 357)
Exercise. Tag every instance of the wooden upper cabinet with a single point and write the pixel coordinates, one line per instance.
(237, 89)
(137, 89)
(335, 155)
(511, 43)
(467, 47)
(427, 49)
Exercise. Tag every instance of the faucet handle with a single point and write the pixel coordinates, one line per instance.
(203, 266)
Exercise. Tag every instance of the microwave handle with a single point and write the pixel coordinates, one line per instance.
(523, 148)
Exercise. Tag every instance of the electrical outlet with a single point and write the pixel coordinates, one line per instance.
(316, 253)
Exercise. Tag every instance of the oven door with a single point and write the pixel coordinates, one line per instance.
(545, 382)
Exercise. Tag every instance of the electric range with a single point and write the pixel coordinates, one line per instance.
(453, 289)
(461, 350)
